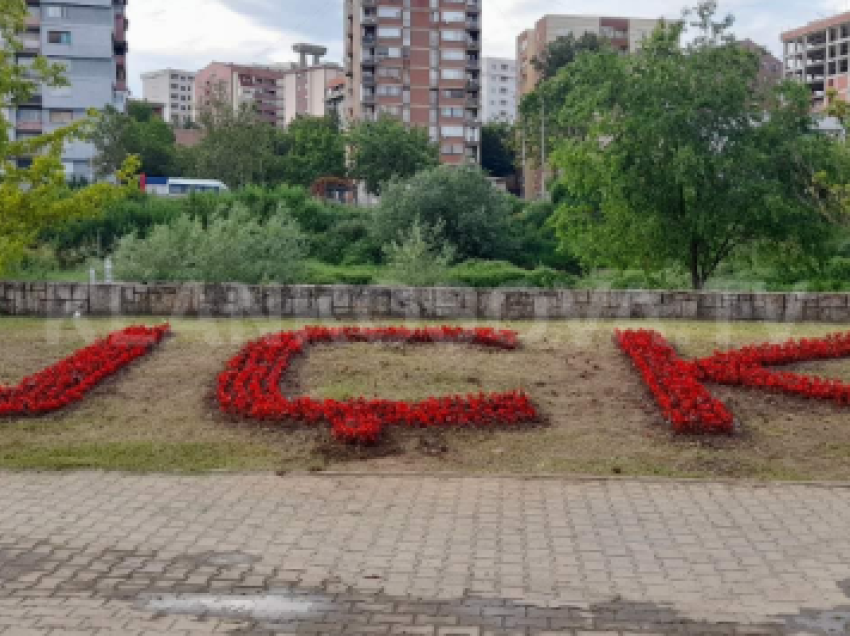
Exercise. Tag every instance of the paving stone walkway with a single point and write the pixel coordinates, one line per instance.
(92, 553)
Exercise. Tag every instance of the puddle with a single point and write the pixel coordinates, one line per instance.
(249, 608)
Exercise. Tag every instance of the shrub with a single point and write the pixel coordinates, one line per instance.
(473, 214)
(503, 274)
(232, 247)
(420, 257)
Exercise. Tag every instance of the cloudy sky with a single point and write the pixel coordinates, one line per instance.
(190, 33)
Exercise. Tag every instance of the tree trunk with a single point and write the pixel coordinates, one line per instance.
(696, 280)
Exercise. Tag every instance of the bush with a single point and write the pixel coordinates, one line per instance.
(233, 247)
(504, 274)
(419, 258)
(317, 273)
(473, 214)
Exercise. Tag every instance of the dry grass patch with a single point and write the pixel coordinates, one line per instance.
(159, 414)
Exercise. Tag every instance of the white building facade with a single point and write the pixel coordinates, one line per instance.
(498, 89)
(175, 90)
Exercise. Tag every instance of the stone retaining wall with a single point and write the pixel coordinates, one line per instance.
(353, 303)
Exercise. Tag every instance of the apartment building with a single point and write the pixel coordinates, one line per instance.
(237, 84)
(303, 86)
(420, 61)
(88, 37)
(625, 34)
(175, 90)
(498, 89)
(818, 54)
(770, 67)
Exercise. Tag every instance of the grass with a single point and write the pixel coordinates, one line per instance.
(159, 415)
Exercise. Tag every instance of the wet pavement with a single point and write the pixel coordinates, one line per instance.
(94, 553)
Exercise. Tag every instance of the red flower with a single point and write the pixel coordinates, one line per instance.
(250, 385)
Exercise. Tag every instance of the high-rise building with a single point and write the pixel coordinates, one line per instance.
(818, 54)
(175, 90)
(498, 89)
(88, 37)
(420, 61)
(770, 68)
(304, 84)
(236, 84)
(624, 34)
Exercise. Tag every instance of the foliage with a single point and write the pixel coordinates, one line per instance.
(385, 149)
(419, 257)
(674, 158)
(564, 50)
(473, 215)
(498, 156)
(139, 132)
(233, 247)
(311, 147)
(237, 147)
(35, 196)
(476, 273)
(538, 241)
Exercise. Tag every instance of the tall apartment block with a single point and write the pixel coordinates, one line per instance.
(818, 55)
(420, 61)
(239, 84)
(625, 34)
(498, 89)
(88, 37)
(175, 90)
(304, 85)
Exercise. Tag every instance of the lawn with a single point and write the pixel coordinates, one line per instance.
(160, 413)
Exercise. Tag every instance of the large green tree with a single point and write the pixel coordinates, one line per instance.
(139, 132)
(310, 148)
(33, 193)
(498, 154)
(564, 50)
(676, 157)
(385, 149)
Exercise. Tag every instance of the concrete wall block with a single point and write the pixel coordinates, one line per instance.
(519, 305)
(323, 301)
(491, 304)
(7, 307)
(105, 300)
(301, 301)
(406, 303)
(834, 300)
(835, 314)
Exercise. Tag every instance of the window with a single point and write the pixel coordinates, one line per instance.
(389, 12)
(455, 55)
(451, 131)
(451, 149)
(453, 73)
(389, 32)
(61, 116)
(29, 115)
(389, 90)
(453, 16)
(453, 36)
(55, 12)
(454, 94)
(452, 112)
(59, 37)
(389, 71)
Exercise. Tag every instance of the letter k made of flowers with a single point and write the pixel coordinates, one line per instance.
(677, 384)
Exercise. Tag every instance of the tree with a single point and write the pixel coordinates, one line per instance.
(137, 132)
(472, 215)
(34, 194)
(675, 157)
(385, 149)
(310, 148)
(420, 257)
(498, 157)
(237, 148)
(564, 50)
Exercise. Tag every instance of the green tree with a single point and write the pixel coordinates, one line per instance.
(237, 147)
(498, 156)
(564, 50)
(674, 157)
(139, 132)
(385, 149)
(34, 195)
(472, 214)
(420, 257)
(311, 147)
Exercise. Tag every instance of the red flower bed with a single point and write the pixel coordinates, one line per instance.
(687, 404)
(250, 385)
(71, 379)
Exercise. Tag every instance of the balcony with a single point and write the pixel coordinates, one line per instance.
(473, 45)
(369, 20)
(473, 63)
(369, 79)
(473, 24)
(369, 59)
(31, 45)
(369, 98)
(29, 126)
(473, 84)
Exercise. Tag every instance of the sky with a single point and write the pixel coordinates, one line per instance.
(188, 34)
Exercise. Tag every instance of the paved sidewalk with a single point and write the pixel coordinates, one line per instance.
(92, 553)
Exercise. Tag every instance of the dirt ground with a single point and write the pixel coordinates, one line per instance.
(598, 417)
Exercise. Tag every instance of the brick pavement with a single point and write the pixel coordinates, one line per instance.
(96, 554)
